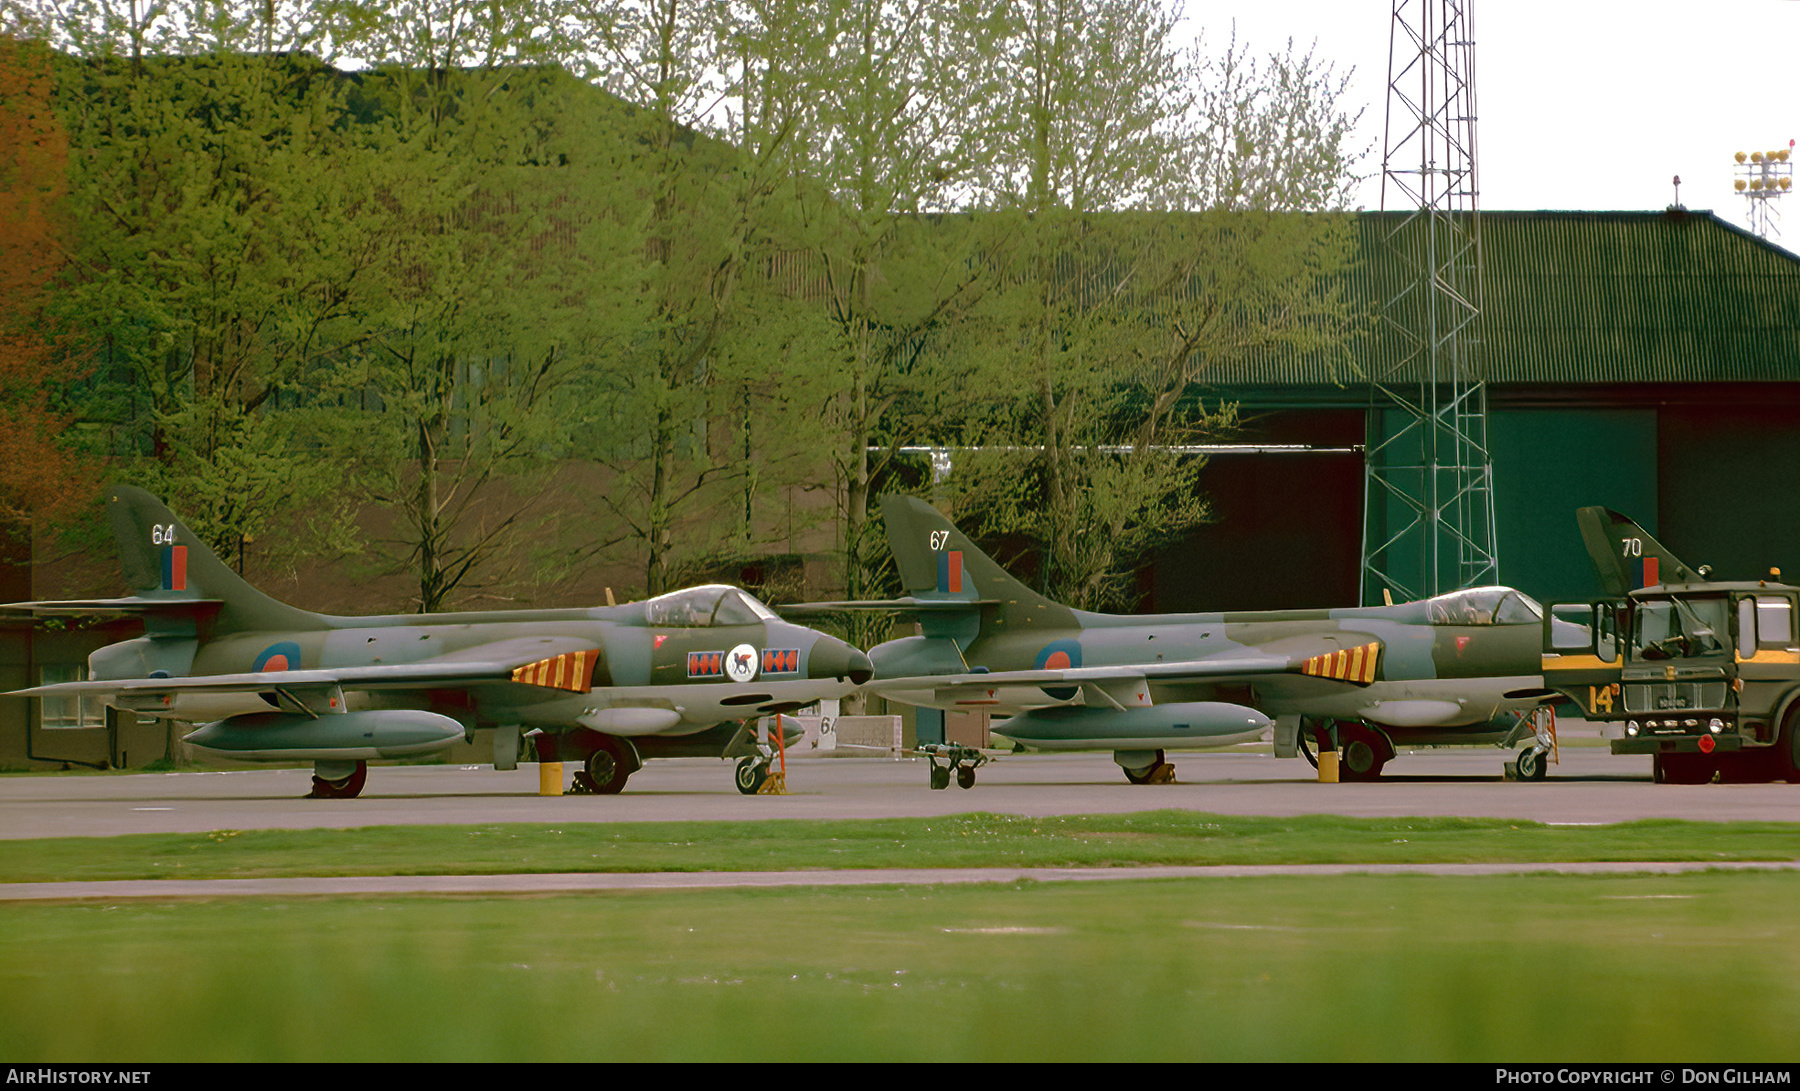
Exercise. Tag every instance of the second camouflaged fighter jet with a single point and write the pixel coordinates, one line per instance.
(607, 686)
(1459, 668)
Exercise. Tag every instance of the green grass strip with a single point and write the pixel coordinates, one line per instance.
(1548, 969)
(972, 840)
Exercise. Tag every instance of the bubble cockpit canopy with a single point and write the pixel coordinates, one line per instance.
(1483, 606)
(706, 606)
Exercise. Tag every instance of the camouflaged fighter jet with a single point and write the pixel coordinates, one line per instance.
(1458, 668)
(607, 686)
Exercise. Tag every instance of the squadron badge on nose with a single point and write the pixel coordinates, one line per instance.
(740, 663)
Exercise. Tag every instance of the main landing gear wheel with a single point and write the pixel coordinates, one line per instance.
(965, 776)
(346, 787)
(1532, 764)
(940, 777)
(1300, 745)
(1157, 772)
(751, 772)
(1363, 755)
(606, 769)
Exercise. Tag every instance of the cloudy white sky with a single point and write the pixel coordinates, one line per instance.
(1583, 104)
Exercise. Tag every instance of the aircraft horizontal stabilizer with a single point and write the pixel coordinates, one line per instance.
(134, 606)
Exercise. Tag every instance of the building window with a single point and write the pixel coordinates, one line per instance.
(65, 712)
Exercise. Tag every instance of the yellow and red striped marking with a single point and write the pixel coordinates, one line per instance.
(571, 671)
(1350, 664)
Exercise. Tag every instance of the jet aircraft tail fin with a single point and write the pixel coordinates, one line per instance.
(938, 563)
(1625, 556)
(173, 574)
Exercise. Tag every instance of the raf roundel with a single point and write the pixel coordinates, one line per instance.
(1059, 655)
(282, 656)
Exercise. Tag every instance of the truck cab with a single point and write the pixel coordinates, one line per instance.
(1703, 676)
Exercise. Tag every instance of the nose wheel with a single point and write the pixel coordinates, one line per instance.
(751, 773)
(1534, 760)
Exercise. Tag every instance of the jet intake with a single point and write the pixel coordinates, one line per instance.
(832, 658)
(348, 736)
(915, 655)
(1156, 727)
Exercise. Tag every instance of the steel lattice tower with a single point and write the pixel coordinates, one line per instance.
(1428, 500)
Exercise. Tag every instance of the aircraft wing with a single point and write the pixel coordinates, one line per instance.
(1113, 684)
(562, 663)
(906, 604)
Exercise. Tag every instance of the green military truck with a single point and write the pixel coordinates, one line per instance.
(1702, 675)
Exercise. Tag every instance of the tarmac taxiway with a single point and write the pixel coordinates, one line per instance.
(1589, 785)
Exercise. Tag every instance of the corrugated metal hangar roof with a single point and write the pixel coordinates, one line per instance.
(1592, 297)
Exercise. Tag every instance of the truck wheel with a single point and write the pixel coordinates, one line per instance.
(1787, 748)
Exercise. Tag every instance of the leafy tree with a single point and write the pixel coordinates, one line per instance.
(212, 262)
(1158, 195)
(41, 477)
(883, 141)
(670, 418)
(494, 257)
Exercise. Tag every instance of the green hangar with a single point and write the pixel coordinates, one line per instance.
(1649, 362)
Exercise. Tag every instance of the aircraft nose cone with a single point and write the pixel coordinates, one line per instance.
(832, 658)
